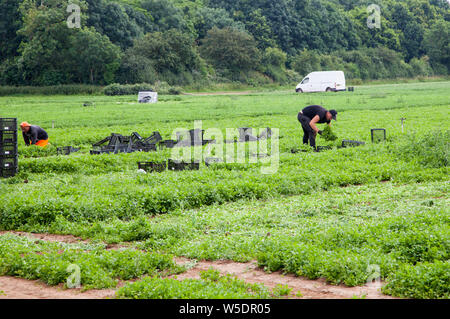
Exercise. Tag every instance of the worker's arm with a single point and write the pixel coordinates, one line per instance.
(34, 136)
(26, 139)
(314, 122)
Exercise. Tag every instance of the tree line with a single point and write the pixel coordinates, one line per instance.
(202, 41)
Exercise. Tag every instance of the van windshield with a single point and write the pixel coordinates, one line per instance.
(306, 80)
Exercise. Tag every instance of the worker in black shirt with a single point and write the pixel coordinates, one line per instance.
(309, 117)
(34, 135)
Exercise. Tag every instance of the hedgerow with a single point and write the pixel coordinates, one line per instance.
(72, 89)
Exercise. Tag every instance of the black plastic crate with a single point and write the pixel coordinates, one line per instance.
(349, 143)
(8, 124)
(245, 135)
(159, 167)
(378, 135)
(8, 137)
(153, 139)
(167, 144)
(194, 166)
(175, 165)
(8, 150)
(122, 148)
(146, 166)
(197, 137)
(181, 166)
(205, 142)
(8, 163)
(66, 150)
(152, 166)
(119, 148)
(102, 150)
(95, 152)
(265, 134)
(147, 148)
(5, 173)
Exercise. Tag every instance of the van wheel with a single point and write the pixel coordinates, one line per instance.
(328, 90)
(299, 90)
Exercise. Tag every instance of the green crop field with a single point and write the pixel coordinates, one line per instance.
(336, 214)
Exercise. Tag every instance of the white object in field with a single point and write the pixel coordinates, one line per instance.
(403, 120)
(322, 81)
(141, 171)
(148, 97)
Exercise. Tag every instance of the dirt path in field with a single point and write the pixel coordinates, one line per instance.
(309, 289)
(68, 239)
(17, 288)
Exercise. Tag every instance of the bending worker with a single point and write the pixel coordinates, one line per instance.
(309, 117)
(34, 135)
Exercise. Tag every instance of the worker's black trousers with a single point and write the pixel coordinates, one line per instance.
(308, 132)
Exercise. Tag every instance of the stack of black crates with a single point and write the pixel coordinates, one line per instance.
(8, 147)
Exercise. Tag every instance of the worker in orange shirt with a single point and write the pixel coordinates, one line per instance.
(34, 135)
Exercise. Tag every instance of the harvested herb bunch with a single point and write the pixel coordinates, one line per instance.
(328, 134)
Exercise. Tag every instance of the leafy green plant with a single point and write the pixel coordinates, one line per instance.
(99, 268)
(282, 290)
(328, 134)
(430, 150)
(424, 280)
(210, 286)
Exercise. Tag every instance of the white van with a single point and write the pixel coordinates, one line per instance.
(326, 81)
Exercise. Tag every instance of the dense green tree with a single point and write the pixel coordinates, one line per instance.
(273, 64)
(257, 25)
(208, 18)
(306, 62)
(95, 59)
(411, 34)
(165, 55)
(46, 37)
(136, 69)
(170, 50)
(37, 47)
(10, 73)
(165, 15)
(386, 35)
(295, 25)
(274, 57)
(437, 45)
(10, 23)
(230, 50)
(121, 23)
(52, 53)
(427, 12)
